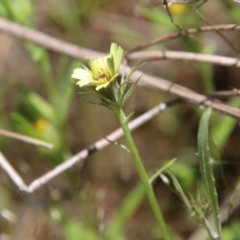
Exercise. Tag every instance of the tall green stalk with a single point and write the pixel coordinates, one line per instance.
(142, 173)
(102, 76)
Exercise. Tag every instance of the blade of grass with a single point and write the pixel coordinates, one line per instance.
(207, 171)
(115, 228)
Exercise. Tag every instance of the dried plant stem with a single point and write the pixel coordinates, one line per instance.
(12, 173)
(80, 156)
(186, 32)
(25, 138)
(163, 55)
(143, 174)
(184, 93)
(77, 52)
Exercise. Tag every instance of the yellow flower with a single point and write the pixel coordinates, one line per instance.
(41, 124)
(101, 71)
(178, 8)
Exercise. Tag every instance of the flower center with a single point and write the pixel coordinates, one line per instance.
(103, 75)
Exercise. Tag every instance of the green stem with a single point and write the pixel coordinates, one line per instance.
(143, 174)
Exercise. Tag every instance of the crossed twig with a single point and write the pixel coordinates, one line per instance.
(17, 179)
(77, 52)
(81, 53)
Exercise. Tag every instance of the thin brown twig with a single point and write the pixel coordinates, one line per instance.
(77, 52)
(181, 1)
(229, 43)
(185, 32)
(12, 173)
(223, 94)
(25, 138)
(166, 4)
(100, 144)
(46, 41)
(178, 55)
(186, 93)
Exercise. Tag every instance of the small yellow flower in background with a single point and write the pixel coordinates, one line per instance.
(178, 8)
(41, 124)
(100, 72)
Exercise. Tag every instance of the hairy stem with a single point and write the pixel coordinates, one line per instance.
(143, 174)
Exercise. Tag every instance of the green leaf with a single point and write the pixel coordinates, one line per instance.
(19, 10)
(40, 57)
(162, 169)
(185, 173)
(129, 116)
(207, 171)
(42, 106)
(115, 229)
(64, 90)
(130, 90)
(180, 192)
(76, 230)
(23, 126)
(158, 16)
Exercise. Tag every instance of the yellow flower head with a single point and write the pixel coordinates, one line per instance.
(178, 8)
(41, 124)
(101, 71)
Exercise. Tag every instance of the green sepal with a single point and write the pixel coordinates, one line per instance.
(129, 92)
(123, 85)
(129, 116)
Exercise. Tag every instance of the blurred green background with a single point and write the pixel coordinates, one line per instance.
(101, 198)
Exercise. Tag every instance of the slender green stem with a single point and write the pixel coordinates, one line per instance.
(143, 174)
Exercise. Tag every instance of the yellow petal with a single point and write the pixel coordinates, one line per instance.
(84, 76)
(117, 53)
